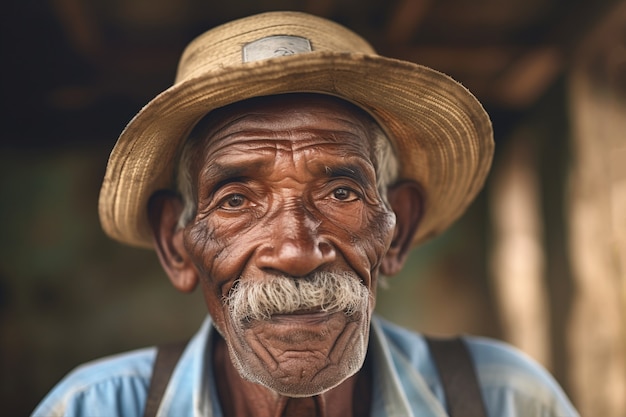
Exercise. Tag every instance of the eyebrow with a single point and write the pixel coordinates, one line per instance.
(223, 174)
(351, 171)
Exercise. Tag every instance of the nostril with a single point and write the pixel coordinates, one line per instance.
(326, 250)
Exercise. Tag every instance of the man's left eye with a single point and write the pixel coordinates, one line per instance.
(344, 194)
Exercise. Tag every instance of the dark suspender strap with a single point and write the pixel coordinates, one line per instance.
(451, 356)
(458, 376)
(164, 364)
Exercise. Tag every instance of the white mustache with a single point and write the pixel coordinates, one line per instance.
(252, 299)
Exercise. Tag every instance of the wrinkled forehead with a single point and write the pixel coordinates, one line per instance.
(277, 111)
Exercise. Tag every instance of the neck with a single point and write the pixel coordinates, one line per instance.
(239, 397)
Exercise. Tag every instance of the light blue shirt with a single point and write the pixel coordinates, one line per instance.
(405, 381)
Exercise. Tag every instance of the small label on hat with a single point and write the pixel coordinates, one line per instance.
(275, 46)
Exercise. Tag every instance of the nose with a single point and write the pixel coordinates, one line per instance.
(294, 247)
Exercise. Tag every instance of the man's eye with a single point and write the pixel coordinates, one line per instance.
(233, 201)
(344, 194)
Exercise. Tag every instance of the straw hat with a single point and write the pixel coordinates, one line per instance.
(441, 133)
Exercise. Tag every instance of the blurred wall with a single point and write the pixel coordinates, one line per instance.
(68, 294)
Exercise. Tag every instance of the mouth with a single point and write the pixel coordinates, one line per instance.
(301, 330)
(311, 316)
(304, 318)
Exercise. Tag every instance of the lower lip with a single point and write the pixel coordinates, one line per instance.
(301, 317)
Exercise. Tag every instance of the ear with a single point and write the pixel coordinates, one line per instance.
(405, 199)
(164, 209)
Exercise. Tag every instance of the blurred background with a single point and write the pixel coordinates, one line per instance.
(539, 259)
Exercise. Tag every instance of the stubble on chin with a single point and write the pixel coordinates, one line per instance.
(305, 349)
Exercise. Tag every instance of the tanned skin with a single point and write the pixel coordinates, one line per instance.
(287, 186)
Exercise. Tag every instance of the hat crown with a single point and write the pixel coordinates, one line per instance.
(224, 46)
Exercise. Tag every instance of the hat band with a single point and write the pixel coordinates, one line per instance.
(275, 46)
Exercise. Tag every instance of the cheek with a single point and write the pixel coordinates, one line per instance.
(379, 234)
(218, 252)
(383, 225)
(207, 251)
(347, 217)
(202, 246)
(363, 237)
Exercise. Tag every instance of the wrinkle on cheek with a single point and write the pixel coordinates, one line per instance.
(196, 240)
(205, 249)
(376, 238)
(205, 237)
(354, 219)
(218, 250)
(341, 344)
(263, 354)
(383, 223)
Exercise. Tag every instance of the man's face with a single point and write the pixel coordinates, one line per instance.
(288, 238)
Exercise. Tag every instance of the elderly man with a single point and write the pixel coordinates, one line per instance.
(288, 168)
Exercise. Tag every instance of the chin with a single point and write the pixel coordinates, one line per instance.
(300, 355)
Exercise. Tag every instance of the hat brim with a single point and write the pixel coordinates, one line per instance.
(441, 133)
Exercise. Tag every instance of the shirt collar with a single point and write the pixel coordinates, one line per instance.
(398, 389)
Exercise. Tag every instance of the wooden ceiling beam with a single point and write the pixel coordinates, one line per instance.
(323, 8)
(528, 77)
(405, 19)
(79, 25)
(497, 14)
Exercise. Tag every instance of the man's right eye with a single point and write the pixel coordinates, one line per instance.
(233, 201)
